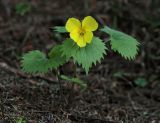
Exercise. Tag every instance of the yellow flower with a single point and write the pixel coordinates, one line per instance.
(81, 32)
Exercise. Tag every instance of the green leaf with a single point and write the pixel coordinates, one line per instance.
(124, 44)
(37, 62)
(118, 74)
(60, 29)
(141, 82)
(22, 8)
(20, 120)
(87, 56)
(74, 81)
(55, 57)
(34, 62)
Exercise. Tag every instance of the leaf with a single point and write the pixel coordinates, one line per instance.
(22, 8)
(20, 120)
(87, 56)
(60, 29)
(141, 82)
(34, 62)
(124, 44)
(37, 62)
(118, 74)
(74, 81)
(55, 57)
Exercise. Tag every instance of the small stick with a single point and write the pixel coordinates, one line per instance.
(8, 68)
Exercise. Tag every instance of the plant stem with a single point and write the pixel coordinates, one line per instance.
(60, 85)
(75, 70)
(75, 75)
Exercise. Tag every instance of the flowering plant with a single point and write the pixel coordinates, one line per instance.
(84, 48)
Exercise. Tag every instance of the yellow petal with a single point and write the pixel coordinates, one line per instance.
(81, 42)
(78, 38)
(74, 35)
(88, 36)
(72, 24)
(89, 23)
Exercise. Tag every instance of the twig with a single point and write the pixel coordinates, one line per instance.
(15, 71)
(6, 4)
(1, 107)
(88, 119)
(133, 105)
(29, 32)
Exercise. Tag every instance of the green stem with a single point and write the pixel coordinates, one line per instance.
(60, 84)
(75, 70)
(75, 75)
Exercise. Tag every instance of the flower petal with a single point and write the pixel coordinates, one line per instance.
(72, 24)
(89, 23)
(88, 36)
(81, 42)
(74, 35)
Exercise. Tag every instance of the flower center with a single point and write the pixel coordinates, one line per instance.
(82, 32)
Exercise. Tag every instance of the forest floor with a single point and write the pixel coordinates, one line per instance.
(112, 95)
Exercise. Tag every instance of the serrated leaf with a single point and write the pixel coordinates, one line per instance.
(55, 57)
(75, 81)
(87, 56)
(34, 62)
(60, 29)
(124, 44)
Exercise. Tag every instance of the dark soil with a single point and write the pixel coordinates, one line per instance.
(108, 98)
